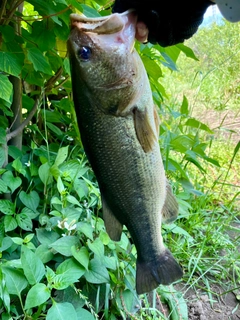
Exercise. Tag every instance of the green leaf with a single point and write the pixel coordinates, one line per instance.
(6, 88)
(8, 33)
(64, 244)
(7, 207)
(24, 221)
(45, 174)
(62, 311)
(83, 314)
(44, 37)
(82, 255)
(37, 295)
(194, 123)
(3, 187)
(67, 273)
(188, 51)
(10, 223)
(44, 253)
(32, 266)
(90, 12)
(30, 200)
(17, 165)
(97, 272)
(86, 229)
(12, 182)
(46, 237)
(10, 64)
(15, 280)
(184, 106)
(97, 247)
(2, 135)
(6, 243)
(39, 61)
(61, 156)
(60, 185)
(2, 155)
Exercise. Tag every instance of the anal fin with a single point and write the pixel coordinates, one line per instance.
(112, 225)
(170, 207)
(164, 270)
(145, 134)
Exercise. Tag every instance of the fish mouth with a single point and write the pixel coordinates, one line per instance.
(104, 25)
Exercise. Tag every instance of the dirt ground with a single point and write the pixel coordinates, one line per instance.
(222, 308)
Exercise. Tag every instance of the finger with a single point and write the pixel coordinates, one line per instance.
(141, 32)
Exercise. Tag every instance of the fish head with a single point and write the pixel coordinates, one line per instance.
(101, 49)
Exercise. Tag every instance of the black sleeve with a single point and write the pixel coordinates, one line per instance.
(170, 21)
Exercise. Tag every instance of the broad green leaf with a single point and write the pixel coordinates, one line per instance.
(12, 182)
(8, 33)
(37, 295)
(130, 299)
(61, 156)
(15, 280)
(83, 314)
(7, 207)
(2, 136)
(10, 64)
(44, 173)
(3, 187)
(90, 12)
(97, 247)
(81, 255)
(97, 272)
(188, 51)
(10, 223)
(44, 37)
(169, 63)
(6, 243)
(152, 67)
(64, 244)
(55, 129)
(24, 221)
(17, 165)
(44, 253)
(67, 273)
(30, 200)
(6, 88)
(32, 266)
(39, 61)
(46, 237)
(62, 311)
(86, 229)
(2, 155)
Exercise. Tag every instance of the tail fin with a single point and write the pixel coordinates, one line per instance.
(164, 270)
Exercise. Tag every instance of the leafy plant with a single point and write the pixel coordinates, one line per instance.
(56, 257)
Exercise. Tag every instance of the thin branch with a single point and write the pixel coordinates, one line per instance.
(2, 9)
(17, 131)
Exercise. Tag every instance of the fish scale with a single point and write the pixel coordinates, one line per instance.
(119, 132)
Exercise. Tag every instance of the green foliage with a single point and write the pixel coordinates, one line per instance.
(56, 258)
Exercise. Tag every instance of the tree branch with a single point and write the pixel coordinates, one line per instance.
(17, 131)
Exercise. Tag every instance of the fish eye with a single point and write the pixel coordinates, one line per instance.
(84, 53)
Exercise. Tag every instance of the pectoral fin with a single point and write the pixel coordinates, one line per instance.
(170, 207)
(145, 134)
(112, 225)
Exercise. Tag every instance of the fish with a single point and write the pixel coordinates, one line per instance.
(119, 128)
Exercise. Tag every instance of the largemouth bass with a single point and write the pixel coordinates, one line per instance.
(119, 130)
